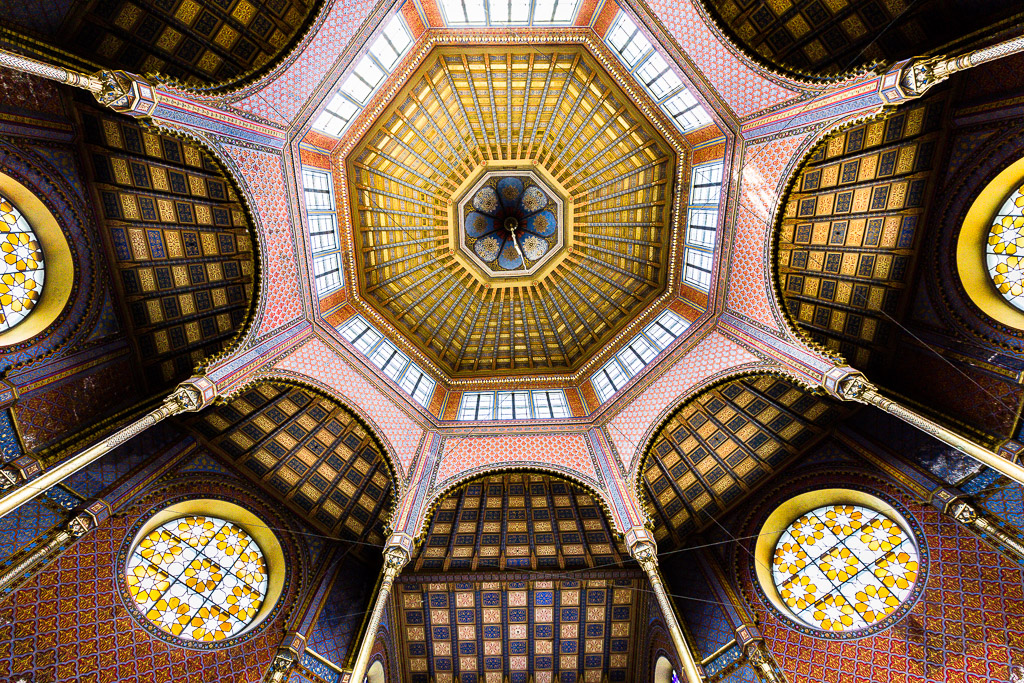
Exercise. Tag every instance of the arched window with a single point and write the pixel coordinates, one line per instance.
(203, 571)
(663, 671)
(838, 561)
(376, 673)
(21, 266)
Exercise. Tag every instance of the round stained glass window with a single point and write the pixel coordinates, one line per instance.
(844, 567)
(1004, 253)
(199, 578)
(21, 266)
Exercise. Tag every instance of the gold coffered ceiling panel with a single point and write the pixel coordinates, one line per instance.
(550, 110)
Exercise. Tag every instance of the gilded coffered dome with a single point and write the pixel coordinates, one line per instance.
(512, 208)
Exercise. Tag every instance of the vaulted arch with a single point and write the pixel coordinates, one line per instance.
(722, 445)
(828, 38)
(308, 451)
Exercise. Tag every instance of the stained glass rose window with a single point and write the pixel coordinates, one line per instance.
(844, 567)
(1004, 253)
(21, 266)
(199, 578)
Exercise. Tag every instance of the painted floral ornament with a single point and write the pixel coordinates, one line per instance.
(509, 212)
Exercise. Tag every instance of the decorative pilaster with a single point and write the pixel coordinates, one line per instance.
(395, 558)
(289, 653)
(76, 527)
(850, 385)
(190, 396)
(748, 635)
(975, 519)
(763, 662)
(645, 552)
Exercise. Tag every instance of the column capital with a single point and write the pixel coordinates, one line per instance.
(125, 93)
(192, 395)
(395, 558)
(645, 552)
(847, 384)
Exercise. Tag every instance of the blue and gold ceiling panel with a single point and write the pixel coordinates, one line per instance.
(850, 231)
(722, 445)
(518, 521)
(308, 451)
(549, 111)
(181, 244)
(520, 629)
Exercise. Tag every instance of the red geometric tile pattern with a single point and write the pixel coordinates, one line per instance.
(712, 355)
(750, 291)
(69, 624)
(967, 627)
(280, 99)
(316, 361)
(742, 89)
(263, 174)
(565, 451)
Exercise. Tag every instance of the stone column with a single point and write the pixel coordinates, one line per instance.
(850, 385)
(76, 528)
(395, 558)
(646, 554)
(189, 396)
(976, 521)
(121, 91)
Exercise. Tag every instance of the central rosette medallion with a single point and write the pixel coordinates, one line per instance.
(511, 223)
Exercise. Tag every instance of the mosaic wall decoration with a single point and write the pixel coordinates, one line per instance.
(22, 271)
(519, 521)
(965, 626)
(198, 43)
(844, 567)
(333, 637)
(834, 37)
(722, 445)
(60, 409)
(71, 622)
(198, 578)
(583, 131)
(580, 630)
(309, 452)
(850, 230)
(182, 250)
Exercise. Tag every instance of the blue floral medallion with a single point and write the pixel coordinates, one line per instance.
(509, 219)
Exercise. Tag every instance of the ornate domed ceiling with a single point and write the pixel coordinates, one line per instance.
(440, 248)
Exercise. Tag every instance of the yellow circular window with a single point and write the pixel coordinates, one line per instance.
(21, 266)
(839, 561)
(990, 248)
(1004, 254)
(198, 578)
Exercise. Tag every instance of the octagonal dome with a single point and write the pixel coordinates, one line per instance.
(549, 118)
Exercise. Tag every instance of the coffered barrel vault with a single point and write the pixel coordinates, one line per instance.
(551, 113)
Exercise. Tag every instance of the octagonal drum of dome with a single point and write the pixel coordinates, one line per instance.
(491, 158)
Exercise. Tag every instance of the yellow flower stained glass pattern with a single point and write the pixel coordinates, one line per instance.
(844, 567)
(21, 266)
(1004, 253)
(198, 578)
